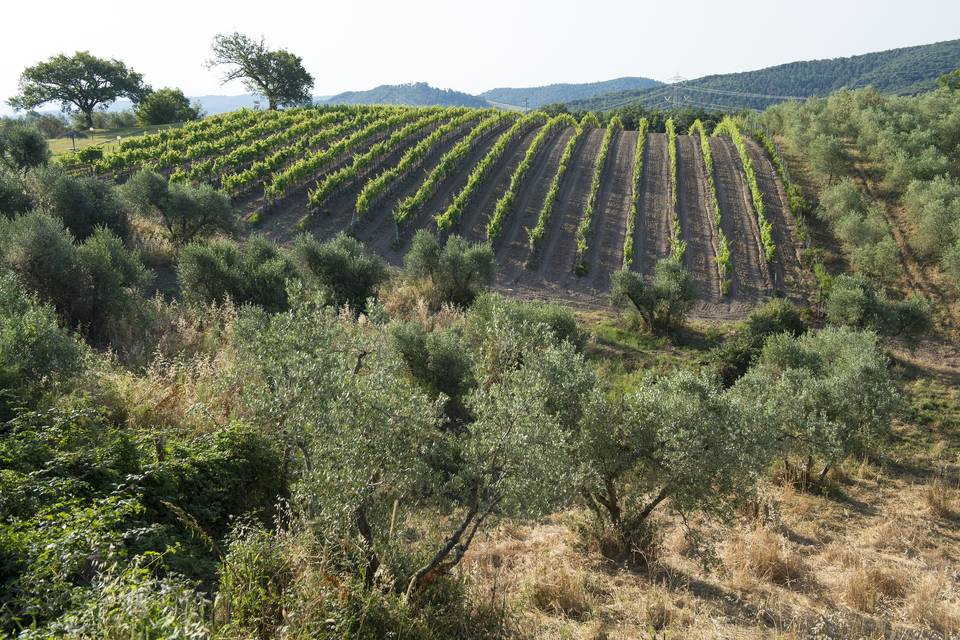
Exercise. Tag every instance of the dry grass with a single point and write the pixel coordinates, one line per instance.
(867, 588)
(767, 556)
(939, 500)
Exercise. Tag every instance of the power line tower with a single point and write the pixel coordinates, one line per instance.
(673, 95)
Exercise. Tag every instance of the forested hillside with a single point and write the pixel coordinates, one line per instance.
(897, 71)
(414, 94)
(535, 97)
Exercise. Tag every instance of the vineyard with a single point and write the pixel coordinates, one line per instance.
(564, 203)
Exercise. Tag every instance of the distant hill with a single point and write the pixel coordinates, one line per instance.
(415, 94)
(898, 71)
(556, 93)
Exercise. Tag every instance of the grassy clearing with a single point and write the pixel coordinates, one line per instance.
(106, 138)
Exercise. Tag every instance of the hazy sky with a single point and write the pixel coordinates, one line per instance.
(470, 46)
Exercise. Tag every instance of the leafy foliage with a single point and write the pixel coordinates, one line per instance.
(166, 106)
(81, 80)
(458, 269)
(662, 303)
(254, 272)
(279, 75)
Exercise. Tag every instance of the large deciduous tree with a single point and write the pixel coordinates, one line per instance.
(278, 75)
(82, 81)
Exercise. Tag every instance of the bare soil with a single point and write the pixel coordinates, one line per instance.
(652, 242)
(695, 222)
(513, 246)
(751, 282)
(553, 270)
(473, 222)
(605, 245)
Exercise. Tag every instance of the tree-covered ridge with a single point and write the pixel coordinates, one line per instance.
(414, 94)
(897, 71)
(534, 97)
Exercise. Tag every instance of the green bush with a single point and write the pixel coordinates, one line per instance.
(827, 393)
(459, 270)
(93, 285)
(252, 272)
(855, 302)
(662, 303)
(23, 147)
(341, 267)
(36, 354)
(13, 196)
(166, 106)
(490, 308)
(734, 357)
(83, 203)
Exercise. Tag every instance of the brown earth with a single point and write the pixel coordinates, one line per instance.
(652, 242)
(513, 246)
(551, 276)
(695, 222)
(750, 276)
(605, 242)
(473, 221)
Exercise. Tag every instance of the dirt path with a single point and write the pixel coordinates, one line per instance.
(473, 223)
(652, 241)
(695, 222)
(786, 266)
(605, 249)
(554, 269)
(513, 246)
(750, 279)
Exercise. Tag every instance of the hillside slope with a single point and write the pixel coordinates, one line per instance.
(896, 71)
(413, 94)
(565, 92)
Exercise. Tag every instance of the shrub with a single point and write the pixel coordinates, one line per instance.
(459, 270)
(23, 147)
(165, 106)
(13, 197)
(437, 358)
(828, 393)
(341, 267)
(41, 252)
(662, 303)
(35, 352)
(111, 283)
(83, 203)
(490, 308)
(736, 355)
(854, 302)
(253, 272)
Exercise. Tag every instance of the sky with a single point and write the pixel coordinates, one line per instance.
(468, 46)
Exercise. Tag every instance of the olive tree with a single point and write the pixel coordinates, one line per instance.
(186, 211)
(341, 267)
(680, 438)
(458, 269)
(662, 303)
(827, 393)
(365, 444)
(855, 302)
